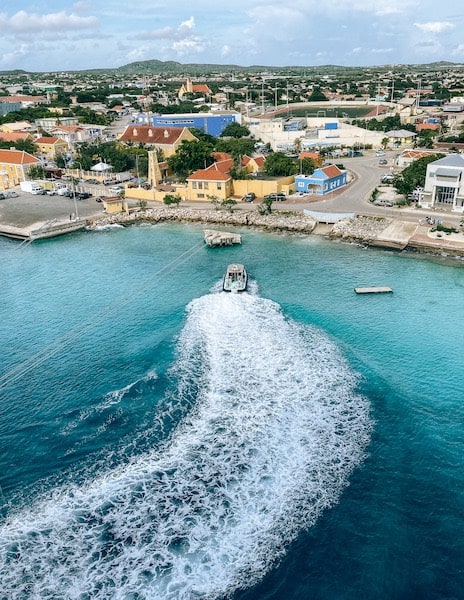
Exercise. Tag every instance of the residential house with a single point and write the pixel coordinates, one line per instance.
(323, 181)
(444, 184)
(213, 182)
(14, 167)
(50, 122)
(407, 157)
(253, 164)
(25, 101)
(397, 137)
(23, 126)
(166, 139)
(12, 137)
(49, 148)
(71, 134)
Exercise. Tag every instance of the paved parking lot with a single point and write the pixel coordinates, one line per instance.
(28, 209)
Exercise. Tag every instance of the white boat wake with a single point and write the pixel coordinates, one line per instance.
(274, 433)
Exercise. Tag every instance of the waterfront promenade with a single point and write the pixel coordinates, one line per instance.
(30, 217)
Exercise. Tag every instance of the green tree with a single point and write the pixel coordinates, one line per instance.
(237, 147)
(308, 166)
(317, 95)
(413, 176)
(214, 201)
(265, 208)
(279, 165)
(37, 172)
(189, 157)
(229, 204)
(171, 199)
(235, 130)
(21, 145)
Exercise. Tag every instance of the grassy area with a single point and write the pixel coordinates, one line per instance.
(345, 112)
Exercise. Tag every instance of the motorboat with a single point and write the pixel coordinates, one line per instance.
(235, 279)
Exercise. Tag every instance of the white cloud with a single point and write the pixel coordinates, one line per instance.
(459, 50)
(189, 45)
(434, 26)
(23, 22)
(381, 50)
(18, 53)
(190, 24)
(184, 30)
(225, 50)
(136, 54)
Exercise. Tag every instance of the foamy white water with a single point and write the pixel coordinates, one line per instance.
(276, 429)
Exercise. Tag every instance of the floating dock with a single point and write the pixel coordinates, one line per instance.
(373, 290)
(221, 238)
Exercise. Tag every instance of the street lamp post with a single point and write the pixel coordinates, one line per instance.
(74, 194)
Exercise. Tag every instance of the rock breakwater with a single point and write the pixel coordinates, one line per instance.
(276, 221)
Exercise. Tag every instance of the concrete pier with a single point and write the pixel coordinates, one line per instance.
(221, 238)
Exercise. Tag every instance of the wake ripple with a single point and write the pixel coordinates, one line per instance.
(273, 435)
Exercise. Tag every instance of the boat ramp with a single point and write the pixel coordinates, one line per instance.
(215, 238)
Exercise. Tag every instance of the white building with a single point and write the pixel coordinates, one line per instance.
(319, 132)
(444, 184)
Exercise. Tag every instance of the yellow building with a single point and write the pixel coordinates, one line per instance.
(213, 182)
(14, 167)
(51, 147)
(115, 204)
(167, 139)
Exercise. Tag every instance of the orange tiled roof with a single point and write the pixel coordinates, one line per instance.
(331, 171)
(306, 154)
(218, 156)
(432, 126)
(46, 140)
(259, 160)
(68, 128)
(13, 136)
(417, 153)
(216, 172)
(17, 157)
(146, 134)
(200, 87)
(23, 99)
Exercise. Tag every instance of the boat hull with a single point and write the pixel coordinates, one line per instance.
(235, 279)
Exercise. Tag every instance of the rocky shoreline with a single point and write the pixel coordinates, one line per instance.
(276, 221)
(366, 230)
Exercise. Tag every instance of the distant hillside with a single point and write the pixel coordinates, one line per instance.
(157, 67)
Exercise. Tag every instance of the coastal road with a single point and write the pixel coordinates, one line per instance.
(355, 198)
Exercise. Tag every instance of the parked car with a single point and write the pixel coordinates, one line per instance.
(380, 153)
(92, 181)
(116, 190)
(83, 195)
(276, 197)
(109, 181)
(383, 161)
(99, 199)
(249, 197)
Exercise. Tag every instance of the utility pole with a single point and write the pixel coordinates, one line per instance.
(262, 96)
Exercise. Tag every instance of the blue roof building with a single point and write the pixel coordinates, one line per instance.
(211, 123)
(322, 181)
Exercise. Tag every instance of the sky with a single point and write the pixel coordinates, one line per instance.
(57, 35)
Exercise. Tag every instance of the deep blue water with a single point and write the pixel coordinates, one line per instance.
(162, 439)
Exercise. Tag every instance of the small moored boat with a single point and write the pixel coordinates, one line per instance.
(235, 279)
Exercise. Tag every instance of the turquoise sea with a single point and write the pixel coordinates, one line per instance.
(161, 439)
